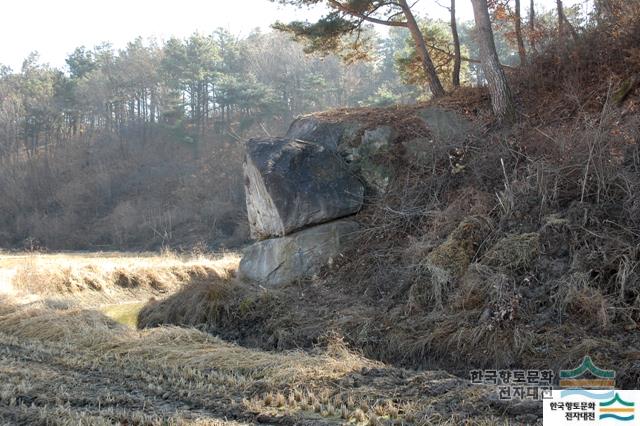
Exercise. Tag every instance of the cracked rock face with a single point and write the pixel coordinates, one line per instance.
(366, 146)
(331, 135)
(279, 261)
(292, 184)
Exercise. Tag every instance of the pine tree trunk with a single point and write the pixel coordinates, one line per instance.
(563, 23)
(518, 24)
(456, 46)
(421, 47)
(501, 99)
(532, 26)
(560, 9)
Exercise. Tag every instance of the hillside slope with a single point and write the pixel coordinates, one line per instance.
(513, 247)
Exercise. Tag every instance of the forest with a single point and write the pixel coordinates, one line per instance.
(139, 147)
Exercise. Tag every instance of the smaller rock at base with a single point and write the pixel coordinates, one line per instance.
(280, 261)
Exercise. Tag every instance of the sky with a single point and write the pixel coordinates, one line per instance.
(55, 28)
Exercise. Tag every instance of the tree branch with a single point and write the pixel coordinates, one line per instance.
(365, 17)
(464, 58)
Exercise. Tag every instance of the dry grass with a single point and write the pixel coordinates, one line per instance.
(63, 361)
(172, 347)
(106, 278)
(514, 252)
(124, 313)
(577, 298)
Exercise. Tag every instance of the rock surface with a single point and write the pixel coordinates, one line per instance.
(291, 184)
(446, 126)
(287, 259)
(370, 160)
(365, 146)
(330, 134)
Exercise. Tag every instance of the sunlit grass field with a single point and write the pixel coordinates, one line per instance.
(70, 353)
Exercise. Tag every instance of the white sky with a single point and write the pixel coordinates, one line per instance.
(55, 28)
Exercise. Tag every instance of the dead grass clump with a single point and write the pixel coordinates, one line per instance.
(514, 252)
(58, 280)
(486, 308)
(175, 347)
(456, 340)
(237, 311)
(480, 287)
(92, 281)
(577, 300)
(450, 259)
(468, 201)
(197, 303)
(448, 262)
(160, 280)
(125, 279)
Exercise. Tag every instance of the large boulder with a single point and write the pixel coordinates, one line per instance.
(366, 144)
(446, 126)
(361, 146)
(331, 134)
(279, 261)
(340, 135)
(371, 159)
(291, 184)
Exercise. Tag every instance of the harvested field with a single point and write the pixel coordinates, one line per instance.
(68, 355)
(102, 278)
